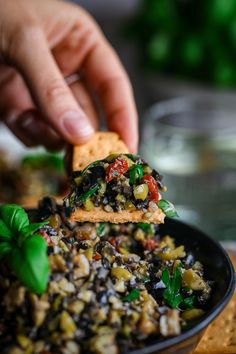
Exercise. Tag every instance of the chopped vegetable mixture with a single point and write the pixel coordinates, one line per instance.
(111, 288)
(119, 182)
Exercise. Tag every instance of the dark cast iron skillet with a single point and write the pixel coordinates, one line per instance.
(218, 268)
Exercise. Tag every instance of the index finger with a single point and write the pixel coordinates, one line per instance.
(107, 77)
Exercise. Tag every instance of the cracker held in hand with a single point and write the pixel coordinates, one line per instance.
(100, 146)
(119, 188)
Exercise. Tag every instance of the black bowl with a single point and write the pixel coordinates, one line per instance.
(218, 268)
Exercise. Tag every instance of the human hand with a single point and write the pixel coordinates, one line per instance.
(42, 43)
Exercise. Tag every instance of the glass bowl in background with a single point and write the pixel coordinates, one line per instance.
(192, 142)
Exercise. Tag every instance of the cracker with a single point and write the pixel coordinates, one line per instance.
(99, 147)
(220, 336)
(100, 215)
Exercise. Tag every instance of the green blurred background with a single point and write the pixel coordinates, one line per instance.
(189, 39)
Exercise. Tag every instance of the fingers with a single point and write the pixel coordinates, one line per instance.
(49, 89)
(14, 94)
(86, 48)
(83, 96)
(33, 131)
(18, 112)
(108, 79)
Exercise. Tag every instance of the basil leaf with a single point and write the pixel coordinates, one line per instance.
(133, 295)
(165, 277)
(14, 217)
(30, 263)
(167, 207)
(5, 232)
(30, 229)
(172, 294)
(5, 248)
(135, 172)
(176, 280)
(176, 300)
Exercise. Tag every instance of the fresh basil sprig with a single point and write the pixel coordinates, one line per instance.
(24, 250)
(168, 208)
(172, 294)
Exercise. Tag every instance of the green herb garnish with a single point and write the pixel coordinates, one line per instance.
(101, 228)
(25, 251)
(167, 207)
(147, 228)
(135, 172)
(83, 197)
(132, 157)
(92, 164)
(133, 295)
(172, 294)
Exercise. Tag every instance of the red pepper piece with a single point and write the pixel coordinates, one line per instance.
(44, 235)
(150, 245)
(116, 169)
(152, 186)
(97, 257)
(112, 240)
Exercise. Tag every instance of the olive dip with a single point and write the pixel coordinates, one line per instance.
(110, 289)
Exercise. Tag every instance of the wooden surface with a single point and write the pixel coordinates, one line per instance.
(220, 337)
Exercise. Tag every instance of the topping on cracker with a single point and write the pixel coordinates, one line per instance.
(118, 188)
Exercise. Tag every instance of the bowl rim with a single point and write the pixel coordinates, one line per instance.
(210, 316)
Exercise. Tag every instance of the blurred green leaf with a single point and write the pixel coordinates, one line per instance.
(192, 51)
(44, 160)
(224, 74)
(159, 48)
(221, 11)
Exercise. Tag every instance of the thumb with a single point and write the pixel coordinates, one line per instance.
(49, 90)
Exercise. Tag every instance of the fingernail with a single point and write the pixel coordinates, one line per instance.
(76, 125)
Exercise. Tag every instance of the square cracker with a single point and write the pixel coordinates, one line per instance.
(220, 336)
(100, 146)
(100, 215)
